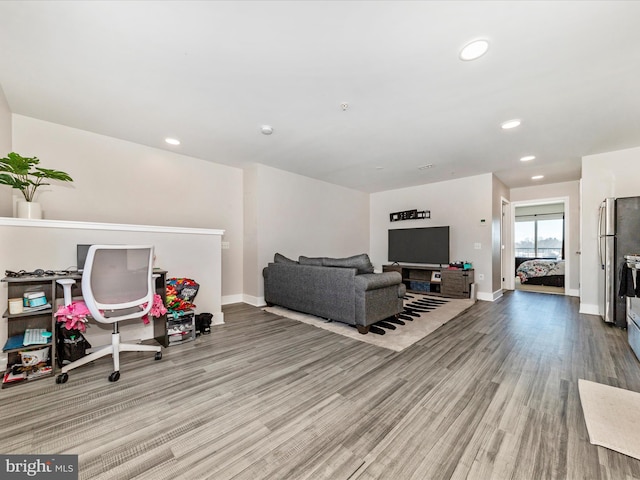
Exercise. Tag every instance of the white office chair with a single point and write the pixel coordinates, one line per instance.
(116, 283)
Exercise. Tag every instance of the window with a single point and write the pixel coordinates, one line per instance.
(539, 231)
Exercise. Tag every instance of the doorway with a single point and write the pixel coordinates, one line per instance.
(540, 239)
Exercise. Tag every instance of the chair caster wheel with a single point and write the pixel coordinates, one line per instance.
(158, 356)
(114, 377)
(62, 378)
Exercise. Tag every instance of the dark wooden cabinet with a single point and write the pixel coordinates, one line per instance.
(434, 280)
(457, 283)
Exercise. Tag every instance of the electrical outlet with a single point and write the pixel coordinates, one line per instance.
(225, 245)
(481, 276)
(477, 246)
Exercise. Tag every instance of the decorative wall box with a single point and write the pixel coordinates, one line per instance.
(409, 215)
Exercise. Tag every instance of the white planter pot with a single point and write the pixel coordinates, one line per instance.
(28, 210)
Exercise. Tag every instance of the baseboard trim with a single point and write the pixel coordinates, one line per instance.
(229, 299)
(489, 297)
(589, 309)
(572, 292)
(218, 318)
(255, 301)
(244, 298)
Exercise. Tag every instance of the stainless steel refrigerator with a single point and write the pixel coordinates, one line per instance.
(618, 235)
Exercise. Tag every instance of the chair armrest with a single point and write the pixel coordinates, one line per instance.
(373, 281)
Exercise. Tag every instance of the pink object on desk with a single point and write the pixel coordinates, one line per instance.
(74, 316)
(157, 309)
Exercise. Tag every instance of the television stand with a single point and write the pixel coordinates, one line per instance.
(439, 281)
(418, 279)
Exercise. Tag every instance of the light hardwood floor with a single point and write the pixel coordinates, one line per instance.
(490, 395)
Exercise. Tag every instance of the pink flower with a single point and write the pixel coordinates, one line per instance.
(74, 316)
(157, 309)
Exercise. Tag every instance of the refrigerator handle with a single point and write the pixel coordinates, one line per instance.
(600, 234)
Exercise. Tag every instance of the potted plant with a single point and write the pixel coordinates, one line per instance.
(24, 174)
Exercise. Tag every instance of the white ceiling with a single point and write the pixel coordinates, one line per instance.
(212, 73)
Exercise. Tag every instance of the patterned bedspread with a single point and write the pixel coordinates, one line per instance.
(539, 268)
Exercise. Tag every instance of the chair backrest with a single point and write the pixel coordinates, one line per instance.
(117, 281)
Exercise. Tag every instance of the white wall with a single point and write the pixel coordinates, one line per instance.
(122, 182)
(461, 204)
(499, 191)
(570, 190)
(611, 174)
(295, 215)
(252, 281)
(6, 204)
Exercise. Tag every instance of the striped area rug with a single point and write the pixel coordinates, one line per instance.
(422, 315)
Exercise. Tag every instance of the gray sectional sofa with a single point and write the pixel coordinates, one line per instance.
(341, 289)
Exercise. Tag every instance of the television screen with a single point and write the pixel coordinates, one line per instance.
(419, 245)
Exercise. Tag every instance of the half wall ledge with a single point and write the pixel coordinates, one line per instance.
(29, 244)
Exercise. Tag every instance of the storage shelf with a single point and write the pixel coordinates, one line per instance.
(183, 326)
(46, 311)
(42, 318)
(6, 383)
(434, 280)
(33, 346)
(418, 279)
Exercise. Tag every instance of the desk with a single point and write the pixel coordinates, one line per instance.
(45, 318)
(184, 252)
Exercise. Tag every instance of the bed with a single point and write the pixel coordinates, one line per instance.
(540, 271)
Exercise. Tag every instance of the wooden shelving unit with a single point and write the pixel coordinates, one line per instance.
(447, 282)
(17, 323)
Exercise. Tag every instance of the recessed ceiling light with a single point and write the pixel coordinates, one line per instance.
(537, 177)
(266, 129)
(528, 158)
(172, 141)
(511, 124)
(474, 50)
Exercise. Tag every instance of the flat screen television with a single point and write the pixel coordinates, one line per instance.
(419, 245)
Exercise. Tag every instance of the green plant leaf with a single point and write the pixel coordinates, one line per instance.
(22, 173)
(6, 179)
(52, 174)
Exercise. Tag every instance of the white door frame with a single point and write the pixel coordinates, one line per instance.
(507, 263)
(567, 243)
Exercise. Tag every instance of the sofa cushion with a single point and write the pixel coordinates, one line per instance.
(373, 281)
(279, 258)
(317, 261)
(361, 262)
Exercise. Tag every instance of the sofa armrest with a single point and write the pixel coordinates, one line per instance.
(373, 281)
